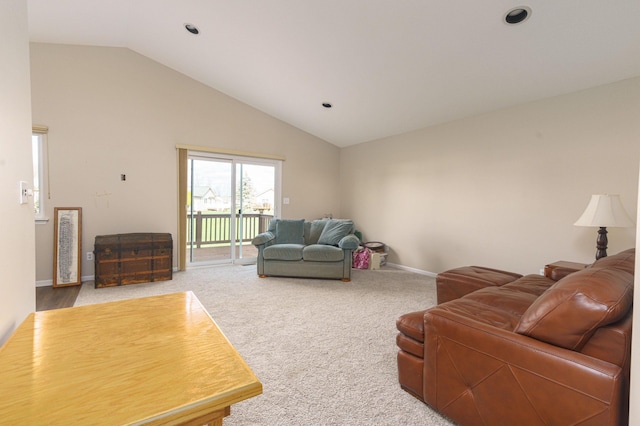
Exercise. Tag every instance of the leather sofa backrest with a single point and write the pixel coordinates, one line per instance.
(624, 260)
(570, 312)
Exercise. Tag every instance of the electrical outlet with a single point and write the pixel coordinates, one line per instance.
(89, 255)
(25, 192)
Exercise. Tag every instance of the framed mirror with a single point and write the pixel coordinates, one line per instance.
(67, 246)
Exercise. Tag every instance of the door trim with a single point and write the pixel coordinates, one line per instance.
(184, 153)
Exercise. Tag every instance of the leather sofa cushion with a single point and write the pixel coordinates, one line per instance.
(322, 253)
(624, 260)
(499, 307)
(571, 310)
(283, 252)
(455, 283)
(409, 345)
(490, 276)
(532, 284)
(412, 325)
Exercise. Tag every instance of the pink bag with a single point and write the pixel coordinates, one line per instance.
(361, 258)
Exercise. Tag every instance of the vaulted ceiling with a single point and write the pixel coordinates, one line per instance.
(385, 66)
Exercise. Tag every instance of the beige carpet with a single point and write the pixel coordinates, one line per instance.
(324, 350)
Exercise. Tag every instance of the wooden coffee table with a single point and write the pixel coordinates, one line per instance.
(154, 360)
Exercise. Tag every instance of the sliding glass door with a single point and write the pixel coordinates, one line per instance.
(229, 201)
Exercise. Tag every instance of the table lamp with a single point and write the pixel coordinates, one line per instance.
(602, 211)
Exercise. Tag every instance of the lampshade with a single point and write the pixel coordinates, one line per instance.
(605, 211)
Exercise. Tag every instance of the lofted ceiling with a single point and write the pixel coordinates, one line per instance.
(386, 66)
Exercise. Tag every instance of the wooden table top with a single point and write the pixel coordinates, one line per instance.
(154, 360)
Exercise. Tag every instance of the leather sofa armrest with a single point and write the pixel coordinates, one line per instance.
(466, 362)
(263, 238)
(349, 242)
(560, 269)
(559, 273)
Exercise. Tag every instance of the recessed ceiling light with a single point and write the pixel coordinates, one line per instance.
(517, 15)
(192, 29)
(326, 105)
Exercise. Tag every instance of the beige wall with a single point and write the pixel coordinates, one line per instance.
(502, 189)
(17, 295)
(111, 111)
(472, 191)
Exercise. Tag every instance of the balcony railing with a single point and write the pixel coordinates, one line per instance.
(206, 229)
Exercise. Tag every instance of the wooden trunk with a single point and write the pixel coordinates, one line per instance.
(122, 259)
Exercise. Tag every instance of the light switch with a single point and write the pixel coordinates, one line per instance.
(285, 200)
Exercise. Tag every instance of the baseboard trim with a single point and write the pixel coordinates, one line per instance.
(44, 283)
(414, 270)
(49, 283)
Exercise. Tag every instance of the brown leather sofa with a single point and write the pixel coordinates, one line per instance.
(526, 351)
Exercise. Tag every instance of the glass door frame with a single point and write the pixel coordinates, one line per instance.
(235, 161)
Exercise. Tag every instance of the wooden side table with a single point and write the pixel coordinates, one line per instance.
(566, 267)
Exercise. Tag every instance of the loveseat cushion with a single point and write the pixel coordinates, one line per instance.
(315, 230)
(289, 231)
(571, 310)
(334, 231)
(283, 252)
(322, 253)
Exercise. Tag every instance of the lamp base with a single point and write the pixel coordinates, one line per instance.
(601, 243)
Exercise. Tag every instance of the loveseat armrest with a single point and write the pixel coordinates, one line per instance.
(475, 373)
(349, 242)
(263, 238)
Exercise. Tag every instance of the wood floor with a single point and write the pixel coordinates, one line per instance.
(48, 298)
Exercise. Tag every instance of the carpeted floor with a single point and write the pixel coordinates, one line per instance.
(324, 350)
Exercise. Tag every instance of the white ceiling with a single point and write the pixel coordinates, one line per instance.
(387, 66)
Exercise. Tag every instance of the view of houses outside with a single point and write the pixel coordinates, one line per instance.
(211, 191)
